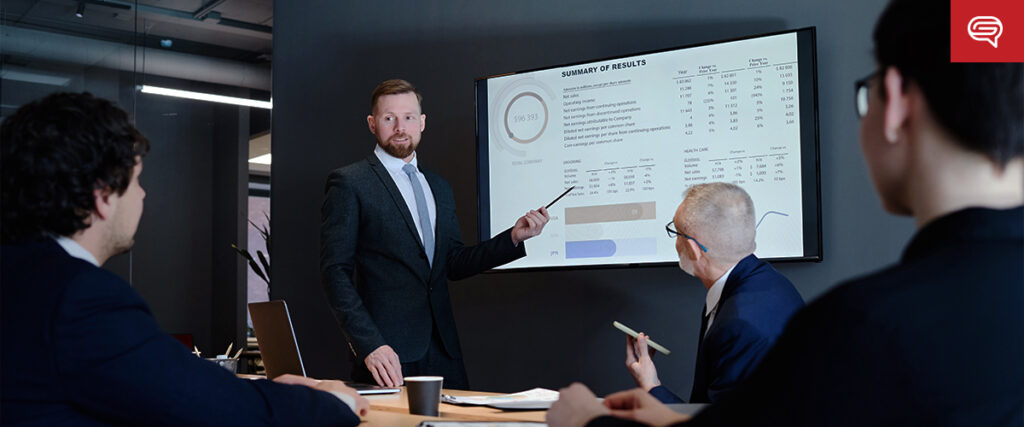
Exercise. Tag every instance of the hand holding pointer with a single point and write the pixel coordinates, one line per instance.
(533, 222)
(530, 225)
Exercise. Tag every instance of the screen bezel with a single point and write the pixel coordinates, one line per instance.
(810, 161)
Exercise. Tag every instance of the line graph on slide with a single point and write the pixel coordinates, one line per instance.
(778, 232)
(766, 215)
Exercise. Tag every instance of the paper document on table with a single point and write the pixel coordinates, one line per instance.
(538, 398)
(479, 424)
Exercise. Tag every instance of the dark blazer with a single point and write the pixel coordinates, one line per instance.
(755, 305)
(374, 268)
(937, 339)
(80, 347)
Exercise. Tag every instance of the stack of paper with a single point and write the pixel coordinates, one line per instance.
(479, 424)
(538, 398)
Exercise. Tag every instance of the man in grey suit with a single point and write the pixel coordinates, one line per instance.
(389, 243)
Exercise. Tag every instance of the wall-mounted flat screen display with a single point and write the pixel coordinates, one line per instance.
(632, 133)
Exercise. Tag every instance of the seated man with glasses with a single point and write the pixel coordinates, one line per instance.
(747, 304)
(938, 337)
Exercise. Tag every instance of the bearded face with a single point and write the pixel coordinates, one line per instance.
(398, 124)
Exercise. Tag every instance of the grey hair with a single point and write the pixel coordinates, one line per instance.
(721, 216)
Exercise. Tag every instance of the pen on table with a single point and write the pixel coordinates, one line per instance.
(559, 197)
(239, 352)
(228, 351)
(196, 352)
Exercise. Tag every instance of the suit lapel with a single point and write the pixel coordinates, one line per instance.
(698, 394)
(396, 197)
(737, 277)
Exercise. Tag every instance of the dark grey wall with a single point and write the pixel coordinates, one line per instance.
(230, 203)
(521, 330)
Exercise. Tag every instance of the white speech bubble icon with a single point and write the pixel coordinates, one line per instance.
(985, 28)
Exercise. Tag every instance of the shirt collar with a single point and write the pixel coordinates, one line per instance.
(393, 164)
(715, 292)
(75, 250)
(967, 226)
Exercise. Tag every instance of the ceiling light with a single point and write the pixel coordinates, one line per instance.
(206, 97)
(80, 12)
(261, 160)
(16, 73)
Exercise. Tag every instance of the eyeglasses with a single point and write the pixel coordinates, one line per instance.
(673, 234)
(860, 90)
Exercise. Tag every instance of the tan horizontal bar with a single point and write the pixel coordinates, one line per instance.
(610, 213)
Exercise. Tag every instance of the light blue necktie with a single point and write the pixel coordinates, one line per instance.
(421, 209)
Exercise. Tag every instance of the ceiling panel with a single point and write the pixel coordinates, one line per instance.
(187, 35)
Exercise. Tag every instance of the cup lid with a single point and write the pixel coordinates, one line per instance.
(423, 379)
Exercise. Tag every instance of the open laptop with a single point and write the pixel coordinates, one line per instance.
(280, 350)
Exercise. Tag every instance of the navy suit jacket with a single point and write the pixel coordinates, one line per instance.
(755, 305)
(374, 268)
(936, 340)
(80, 347)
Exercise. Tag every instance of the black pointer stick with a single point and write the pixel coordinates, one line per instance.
(559, 197)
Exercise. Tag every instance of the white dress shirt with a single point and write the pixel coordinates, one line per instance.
(75, 250)
(715, 294)
(394, 166)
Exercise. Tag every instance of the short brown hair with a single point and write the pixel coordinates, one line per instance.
(393, 87)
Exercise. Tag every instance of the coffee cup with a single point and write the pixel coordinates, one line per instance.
(424, 395)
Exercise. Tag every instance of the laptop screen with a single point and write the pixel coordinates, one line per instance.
(276, 338)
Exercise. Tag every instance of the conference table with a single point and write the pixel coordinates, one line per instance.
(393, 410)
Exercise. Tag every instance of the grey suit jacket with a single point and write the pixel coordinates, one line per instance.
(374, 268)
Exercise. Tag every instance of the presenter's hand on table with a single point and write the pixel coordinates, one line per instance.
(383, 363)
(575, 407)
(362, 406)
(638, 360)
(529, 225)
(638, 405)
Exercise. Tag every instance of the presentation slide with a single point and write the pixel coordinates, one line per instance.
(631, 134)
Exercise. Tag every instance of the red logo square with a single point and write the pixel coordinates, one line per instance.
(986, 31)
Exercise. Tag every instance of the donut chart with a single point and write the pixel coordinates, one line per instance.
(526, 117)
(521, 115)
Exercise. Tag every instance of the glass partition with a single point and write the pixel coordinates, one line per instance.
(142, 54)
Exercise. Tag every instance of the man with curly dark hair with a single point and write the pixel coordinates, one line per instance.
(79, 345)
